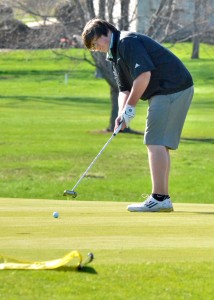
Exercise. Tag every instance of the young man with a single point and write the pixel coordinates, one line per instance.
(146, 70)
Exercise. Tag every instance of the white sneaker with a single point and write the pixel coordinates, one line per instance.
(152, 205)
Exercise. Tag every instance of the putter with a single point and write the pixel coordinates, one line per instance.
(72, 192)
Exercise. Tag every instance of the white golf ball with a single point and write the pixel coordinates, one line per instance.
(55, 214)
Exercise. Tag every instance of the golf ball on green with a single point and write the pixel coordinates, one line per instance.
(55, 214)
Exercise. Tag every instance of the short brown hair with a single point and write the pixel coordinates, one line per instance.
(95, 28)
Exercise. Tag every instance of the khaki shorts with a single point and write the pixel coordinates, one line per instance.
(165, 118)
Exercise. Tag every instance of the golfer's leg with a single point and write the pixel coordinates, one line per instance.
(159, 163)
(167, 172)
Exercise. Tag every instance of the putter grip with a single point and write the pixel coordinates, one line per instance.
(118, 128)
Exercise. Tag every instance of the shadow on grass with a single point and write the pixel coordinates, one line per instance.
(54, 100)
(44, 73)
(204, 140)
(85, 269)
(195, 212)
(204, 213)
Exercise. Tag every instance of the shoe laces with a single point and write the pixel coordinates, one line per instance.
(145, 196)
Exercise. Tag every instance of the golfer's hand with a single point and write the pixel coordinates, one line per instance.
(118, 121)
(128, 114)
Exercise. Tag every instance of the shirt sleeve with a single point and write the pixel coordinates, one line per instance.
(135, 56)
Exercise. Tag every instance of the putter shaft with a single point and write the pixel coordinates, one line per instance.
(72, 192)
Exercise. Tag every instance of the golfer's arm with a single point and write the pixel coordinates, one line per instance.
(122, 99)
(138, 88)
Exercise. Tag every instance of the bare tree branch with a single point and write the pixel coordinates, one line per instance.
(81, 12)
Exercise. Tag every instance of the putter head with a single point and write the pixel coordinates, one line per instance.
(70, 193)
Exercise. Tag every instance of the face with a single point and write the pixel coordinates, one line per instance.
(101, 44)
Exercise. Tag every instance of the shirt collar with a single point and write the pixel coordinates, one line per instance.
(109, 55)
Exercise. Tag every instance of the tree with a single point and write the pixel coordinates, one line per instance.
(200, 24)
(169, 24)
(45, 33)
(196, 40)
(38, 9)
(161, 23)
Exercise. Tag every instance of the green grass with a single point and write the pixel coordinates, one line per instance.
(149, 256)
(51, 131)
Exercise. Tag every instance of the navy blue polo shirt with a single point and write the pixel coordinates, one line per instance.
(134, 53)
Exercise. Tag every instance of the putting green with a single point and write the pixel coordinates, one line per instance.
(29, 231)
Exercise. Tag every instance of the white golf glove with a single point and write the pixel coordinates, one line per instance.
(128, 114)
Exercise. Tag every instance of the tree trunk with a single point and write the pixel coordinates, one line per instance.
(196, 22)
(90, 6)
(124, 20)
(102, 5)
(195, 48)
(110, 8)
(107, 74)
(114, 107)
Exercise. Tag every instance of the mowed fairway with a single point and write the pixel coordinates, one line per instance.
(137, 256)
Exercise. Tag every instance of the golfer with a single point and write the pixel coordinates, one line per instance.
(146, 70)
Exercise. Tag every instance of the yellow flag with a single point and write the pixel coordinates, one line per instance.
(11, 263)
